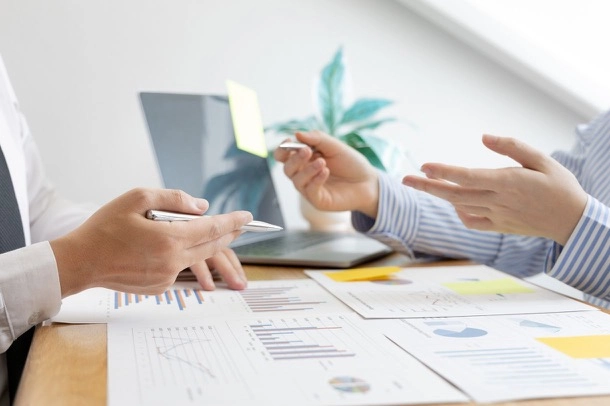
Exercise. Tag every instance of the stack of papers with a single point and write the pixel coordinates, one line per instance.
(366, 336)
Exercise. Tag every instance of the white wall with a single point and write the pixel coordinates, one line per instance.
(77, 66)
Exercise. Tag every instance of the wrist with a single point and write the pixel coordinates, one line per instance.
(571, 219)
(69, 266)
(370, 197)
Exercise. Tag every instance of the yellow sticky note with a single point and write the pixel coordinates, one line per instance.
(246, 117)
(363, 274)
(580, 346)
(488, 287)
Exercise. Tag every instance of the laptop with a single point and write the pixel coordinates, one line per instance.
(196, 151)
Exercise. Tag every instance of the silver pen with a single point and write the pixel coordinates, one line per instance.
(255, 226)
(293, 145)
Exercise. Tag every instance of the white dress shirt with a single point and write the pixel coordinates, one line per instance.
(29, 282)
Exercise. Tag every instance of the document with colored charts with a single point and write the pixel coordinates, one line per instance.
(393, 292)
(186, 300)
(512, 357)
(265, 360)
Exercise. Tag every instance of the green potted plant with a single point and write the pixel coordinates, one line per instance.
(354, 124)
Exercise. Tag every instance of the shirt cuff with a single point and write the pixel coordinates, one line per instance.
(584, 262)
(29, 289)
(397, 216)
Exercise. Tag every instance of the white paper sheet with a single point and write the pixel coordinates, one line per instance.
(500, 358)
(445, 292)
(185, 300)
(338, 360)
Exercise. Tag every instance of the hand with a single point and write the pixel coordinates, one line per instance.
(331, 175)
(227, 265)
(119, 248)
(541, 198)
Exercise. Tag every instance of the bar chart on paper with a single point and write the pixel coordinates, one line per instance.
(176, 297)
(186, 299)
(265, 360)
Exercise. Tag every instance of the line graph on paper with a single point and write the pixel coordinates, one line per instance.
(317, 359)
(191, 357)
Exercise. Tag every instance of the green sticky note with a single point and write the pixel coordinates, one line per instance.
(488, 287)
(247, 122)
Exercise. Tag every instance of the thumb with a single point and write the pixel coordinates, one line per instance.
(524, 154)
(179, 201)
(319, 141)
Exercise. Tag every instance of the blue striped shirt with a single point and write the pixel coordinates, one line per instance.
(421, 225)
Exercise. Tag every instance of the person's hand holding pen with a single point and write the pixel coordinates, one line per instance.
(119, 248)
(330, 174)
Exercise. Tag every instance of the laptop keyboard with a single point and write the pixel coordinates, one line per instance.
(284, 244)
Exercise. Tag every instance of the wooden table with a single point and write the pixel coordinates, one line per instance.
(67, 364)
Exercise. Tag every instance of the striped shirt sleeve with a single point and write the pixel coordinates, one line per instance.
(584, 262)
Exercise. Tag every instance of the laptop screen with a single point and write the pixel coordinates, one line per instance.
(196, 151)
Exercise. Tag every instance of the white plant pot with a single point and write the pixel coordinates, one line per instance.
(320, 220)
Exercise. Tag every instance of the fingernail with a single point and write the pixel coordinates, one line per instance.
(202, 204)
(490, 139)
(426, 171)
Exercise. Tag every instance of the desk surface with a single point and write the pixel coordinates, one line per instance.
(67, 363)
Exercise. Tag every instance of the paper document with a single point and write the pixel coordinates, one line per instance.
(443, 291)
(186, 300)
(501, 358)
(305, 360)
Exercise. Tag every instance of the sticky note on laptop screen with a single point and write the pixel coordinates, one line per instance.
(247, 121)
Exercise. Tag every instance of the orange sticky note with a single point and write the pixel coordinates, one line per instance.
(363, 274)
(580, 346)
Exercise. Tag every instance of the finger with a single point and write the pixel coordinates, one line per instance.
(521, 152)
(281, 154)
(321, 142)
(453, 193)
(209, 249)
(231, 271)
(475, 222)
(316, 182)
(203, 275)
(296, 161)
(467, 177)
(200, 231)
(175, 200)
(308, 173)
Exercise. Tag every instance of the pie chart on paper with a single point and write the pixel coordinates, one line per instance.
(349, 384)
(455, 329)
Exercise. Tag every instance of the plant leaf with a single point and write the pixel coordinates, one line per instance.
(244, 181)
(364, 109)
(330, 91)
(357, 142)
(387, 152)
(371, 125)
(290, 127)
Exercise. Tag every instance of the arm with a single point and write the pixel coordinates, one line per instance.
(540, 198)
